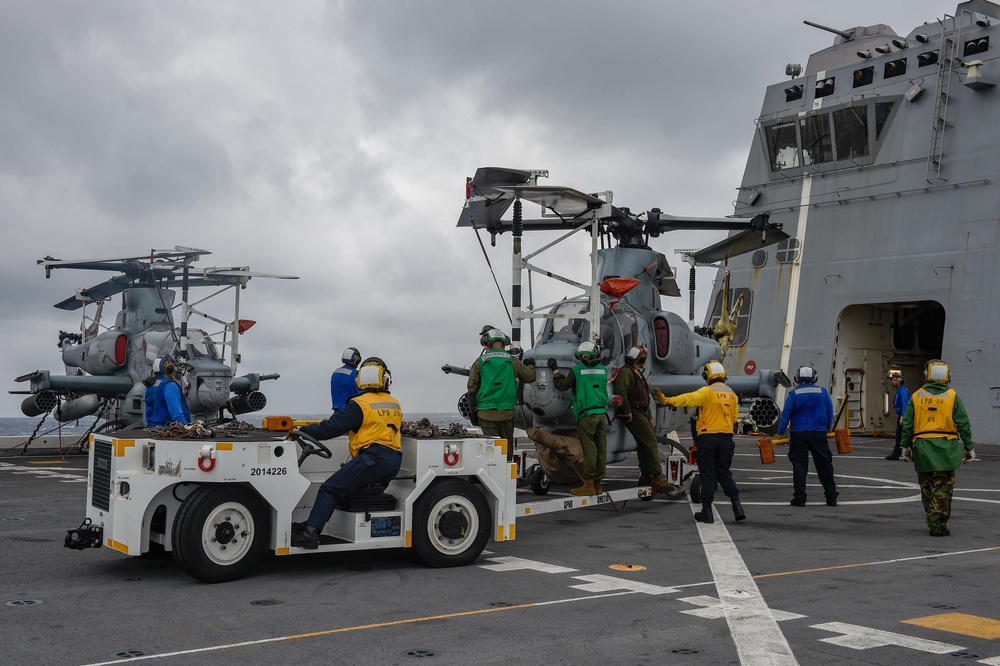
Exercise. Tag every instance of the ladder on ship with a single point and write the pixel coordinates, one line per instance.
(946, 61)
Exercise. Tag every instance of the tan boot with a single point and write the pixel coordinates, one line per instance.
(598, 487)
(661, 484)
(585, 490)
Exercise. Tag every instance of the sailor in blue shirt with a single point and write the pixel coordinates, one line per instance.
(809, 411)
(343, 381)
(164, 397)
(899, 403)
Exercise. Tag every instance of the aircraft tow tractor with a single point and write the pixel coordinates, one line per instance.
(218, 505)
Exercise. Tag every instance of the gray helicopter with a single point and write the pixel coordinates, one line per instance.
(105, 366)
(620, 307)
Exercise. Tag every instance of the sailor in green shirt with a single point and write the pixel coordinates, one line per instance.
(934, 421)
(492, 386)
(633, 388)
(589, 382)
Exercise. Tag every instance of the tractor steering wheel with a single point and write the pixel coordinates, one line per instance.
(310, 445)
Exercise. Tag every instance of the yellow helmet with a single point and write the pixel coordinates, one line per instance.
(373, 375)
(938, 371)
(713, 372)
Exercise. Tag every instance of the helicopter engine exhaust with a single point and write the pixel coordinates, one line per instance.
(39, 403)
(77, 408)
(254, 401)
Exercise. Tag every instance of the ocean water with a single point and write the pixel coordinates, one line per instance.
(22, 425)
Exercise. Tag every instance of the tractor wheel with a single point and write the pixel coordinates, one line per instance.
(451, 524)
(219, 532)
(539, 482)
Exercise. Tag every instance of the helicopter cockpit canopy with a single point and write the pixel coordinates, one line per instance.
(619, 328)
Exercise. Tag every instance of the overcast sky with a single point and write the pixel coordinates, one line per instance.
(331, 140)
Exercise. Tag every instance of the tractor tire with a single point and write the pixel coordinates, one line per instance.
(451, 524)
(219, 532)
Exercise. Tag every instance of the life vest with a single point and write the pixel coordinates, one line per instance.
(718, 414)
(933, 415)
(497, 384)
(638, 391)
(383, 419)
(590, 393)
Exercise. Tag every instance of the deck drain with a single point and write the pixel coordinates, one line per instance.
(501, 603)
(266, 602)
(595, 545)
(943, 606)
(965, 654)
(684, 651)
(130, 653)
(420, 653)
(23, 602)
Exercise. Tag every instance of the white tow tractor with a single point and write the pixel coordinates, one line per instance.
(217, 505)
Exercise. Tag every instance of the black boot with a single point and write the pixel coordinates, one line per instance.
(738, 509)
(705, 515)
(308, 538)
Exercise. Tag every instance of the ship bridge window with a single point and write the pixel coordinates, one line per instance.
(787, 251)
(863, 76)
(894, 68)
(882, 111)
(929, 58)
(851, 127)
(783, 146)
(740, 301)
(817, 142)
(976, 46)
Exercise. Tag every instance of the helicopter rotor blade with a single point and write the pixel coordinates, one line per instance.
(737, 244)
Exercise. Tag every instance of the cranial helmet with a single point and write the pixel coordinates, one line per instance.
(806, 374)
(165, 365)
(636, 355)
(898, 376)
(587, 352)
(491, 335)
(351, 357)
(938, 371)
(373, 375)
(713, 372)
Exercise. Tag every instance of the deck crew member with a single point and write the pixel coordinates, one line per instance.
(372, 421)
(934, 421)
(492, 386)
(344, 380)
(718, 409)
(164, 397)
(899, 402)
(809, 413)
(588, 380)
(631, 385)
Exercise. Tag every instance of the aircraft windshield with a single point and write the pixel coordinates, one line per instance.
(619, 329)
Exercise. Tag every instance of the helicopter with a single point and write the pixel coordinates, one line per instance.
(619, 308)
(105, 366)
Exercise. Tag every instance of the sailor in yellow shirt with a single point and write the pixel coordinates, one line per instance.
(718, 407)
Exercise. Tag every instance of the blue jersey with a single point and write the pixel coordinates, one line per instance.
(900, 400)
(809, 408)
(343, 386)
(165, 403)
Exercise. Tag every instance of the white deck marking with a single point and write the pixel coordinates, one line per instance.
(602, 583)
(751, 622)
(45, 472)
(521, 564)
(713, 609)
(863, 638)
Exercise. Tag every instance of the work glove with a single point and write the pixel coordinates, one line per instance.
(474, 418)
(529, 361)
(660, 398)
(552, 363)
(970, 455)
(908, 454)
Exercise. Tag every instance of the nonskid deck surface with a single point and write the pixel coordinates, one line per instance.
(860, 583)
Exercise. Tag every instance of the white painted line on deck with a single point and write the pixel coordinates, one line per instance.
(755, 632)
(862, 638)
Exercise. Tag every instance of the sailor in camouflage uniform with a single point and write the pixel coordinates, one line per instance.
(935, 419)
